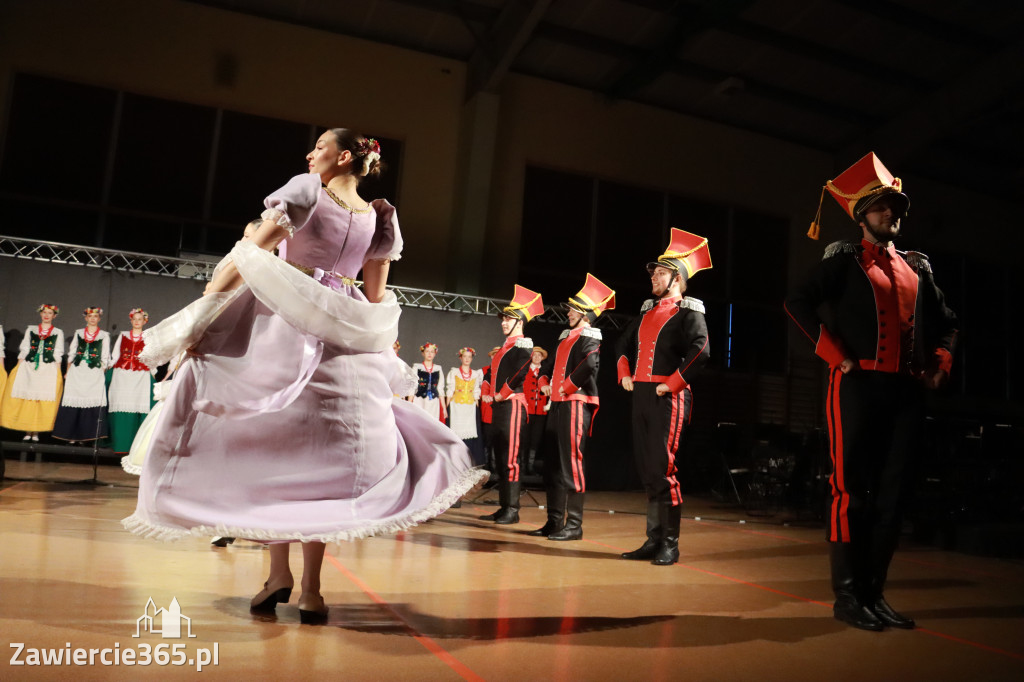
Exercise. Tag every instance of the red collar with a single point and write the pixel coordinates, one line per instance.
(670, 300)
(877, 250)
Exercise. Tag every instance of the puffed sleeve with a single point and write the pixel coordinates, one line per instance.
(387, 239)
(26, 342)
(58, 348)
(291, 206)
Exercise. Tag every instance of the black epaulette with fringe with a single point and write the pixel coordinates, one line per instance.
(918, 261)
(694, 304)
(844, 246)
(587, 331)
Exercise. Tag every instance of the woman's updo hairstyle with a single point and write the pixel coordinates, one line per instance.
(365, 152)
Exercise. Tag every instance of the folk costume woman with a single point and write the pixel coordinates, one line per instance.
(3, 370)
(430, 383)
(463, 395)
(280, 425)
(131, 384)
(83, 408)
(33, 390)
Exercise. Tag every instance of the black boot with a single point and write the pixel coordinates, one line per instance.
(668, 549)
(881, 556)
(502, 501)
(556, 513)
(848, 607)
(647, 550)
(574, 524)
(510, 514)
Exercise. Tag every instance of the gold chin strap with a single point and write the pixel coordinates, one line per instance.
(815, 231)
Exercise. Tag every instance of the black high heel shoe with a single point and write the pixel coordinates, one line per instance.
(222, 541)
(268, 599)
(313, 616)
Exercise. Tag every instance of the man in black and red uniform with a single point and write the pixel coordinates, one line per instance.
(659, 354)
(508, 406)
(571, 381)
(888, 336)
(536, 407)
(486, 397)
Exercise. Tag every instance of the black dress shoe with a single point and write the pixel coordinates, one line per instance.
(567, 533)
(222, 541)
(645, 552)
(889, 616)
(507, 517)
(547, 529)
(490, 517)
(853, 613)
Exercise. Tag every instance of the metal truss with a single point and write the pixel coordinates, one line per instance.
(105, 259)
(185, 268)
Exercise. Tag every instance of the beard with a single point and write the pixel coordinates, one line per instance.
(884, 231)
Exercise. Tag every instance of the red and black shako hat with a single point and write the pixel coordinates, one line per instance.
(525, 305)
(686, 254)
(593, 299)
(859, 186)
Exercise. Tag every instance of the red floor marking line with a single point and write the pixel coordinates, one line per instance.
(429, 644)
(12, 487)
(968, 642)
(933, 633)
(756, 585)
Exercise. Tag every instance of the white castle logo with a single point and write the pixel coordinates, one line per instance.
(170, 621)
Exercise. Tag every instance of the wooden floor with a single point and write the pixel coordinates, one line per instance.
(461, 598)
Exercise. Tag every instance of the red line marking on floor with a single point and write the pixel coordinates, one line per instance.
(729, 526)
(933, 633)
(430, 645)
(12, 487)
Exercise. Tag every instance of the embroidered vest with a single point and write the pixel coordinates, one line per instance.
(88, 351)
(129, 358)
(46, 355)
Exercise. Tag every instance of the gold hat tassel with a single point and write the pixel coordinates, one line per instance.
(815, 231)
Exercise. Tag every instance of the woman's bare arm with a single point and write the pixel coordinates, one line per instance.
(375, 279)
(267, 236)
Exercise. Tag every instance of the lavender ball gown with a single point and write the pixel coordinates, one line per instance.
(282, 426)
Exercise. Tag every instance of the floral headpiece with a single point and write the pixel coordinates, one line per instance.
(368, 146)
(90, 311)
(369, 149)
(427, 345)
(49, 306)
(467, 349)
(134, 311)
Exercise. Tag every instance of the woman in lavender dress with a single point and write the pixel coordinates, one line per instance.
(281, 426)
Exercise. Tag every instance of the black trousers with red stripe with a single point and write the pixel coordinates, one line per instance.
(874, 421)
(658, 426)
(508, 436)
(572, 426)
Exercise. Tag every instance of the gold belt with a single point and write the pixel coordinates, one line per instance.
(305, 269)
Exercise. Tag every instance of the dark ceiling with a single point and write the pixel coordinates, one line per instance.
(935, 86)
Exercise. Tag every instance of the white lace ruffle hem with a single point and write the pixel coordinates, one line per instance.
(441, 503)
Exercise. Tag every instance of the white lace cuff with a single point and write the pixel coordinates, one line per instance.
(279, 218)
